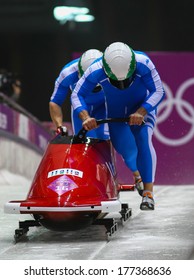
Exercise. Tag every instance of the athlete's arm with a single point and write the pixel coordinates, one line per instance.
(88, 122)
(151, 79)
(56, 114)
(66, 79)
(85, 86)
(156, 91)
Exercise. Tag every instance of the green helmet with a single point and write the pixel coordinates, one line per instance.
(87, 59)
(119, 61)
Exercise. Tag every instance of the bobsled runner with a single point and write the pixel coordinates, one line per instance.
(75, 186)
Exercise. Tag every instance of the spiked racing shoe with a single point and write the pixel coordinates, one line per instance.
(147, 202)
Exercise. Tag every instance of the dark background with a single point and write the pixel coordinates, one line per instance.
(34, 45)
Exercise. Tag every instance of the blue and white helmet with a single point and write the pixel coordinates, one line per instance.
(87, 58)
(119, 61)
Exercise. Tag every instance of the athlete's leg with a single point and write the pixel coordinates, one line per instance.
(146, 162)
(124, 143)
(146, 158)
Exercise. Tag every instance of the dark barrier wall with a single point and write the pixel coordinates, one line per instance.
(21, 128)
(174, 133)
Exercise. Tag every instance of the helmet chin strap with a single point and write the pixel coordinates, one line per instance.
(122, 86)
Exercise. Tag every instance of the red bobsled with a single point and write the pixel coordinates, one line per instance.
(74, 186)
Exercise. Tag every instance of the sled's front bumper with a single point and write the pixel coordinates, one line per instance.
(104, 207)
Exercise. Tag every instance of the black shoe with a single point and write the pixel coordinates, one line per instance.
(147, 202)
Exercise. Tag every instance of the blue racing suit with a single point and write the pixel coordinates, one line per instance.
(94, 102)
(133, 142)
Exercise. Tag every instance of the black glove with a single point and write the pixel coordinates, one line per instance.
(62, 130)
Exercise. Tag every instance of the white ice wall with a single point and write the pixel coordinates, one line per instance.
(17, 158)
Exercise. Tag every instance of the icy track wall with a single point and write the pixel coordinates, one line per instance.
(174, 134)
(23, 141)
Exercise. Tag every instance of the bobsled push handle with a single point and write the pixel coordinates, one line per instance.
(126, 119)
(82, 133)
(101, 121)
(80, 137)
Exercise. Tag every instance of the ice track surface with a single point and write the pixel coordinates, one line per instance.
(164, 234)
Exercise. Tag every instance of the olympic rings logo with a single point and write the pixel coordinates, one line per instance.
(184, 109)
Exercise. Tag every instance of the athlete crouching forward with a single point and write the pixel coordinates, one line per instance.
(94, 101)
(132, 88)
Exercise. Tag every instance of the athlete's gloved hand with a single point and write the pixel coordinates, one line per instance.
(62, 130)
